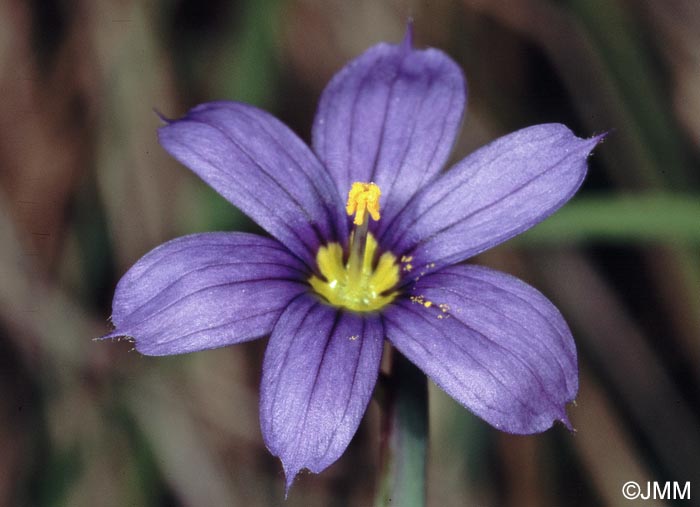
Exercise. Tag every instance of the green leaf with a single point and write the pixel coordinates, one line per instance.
(660, 218)
(247, 64)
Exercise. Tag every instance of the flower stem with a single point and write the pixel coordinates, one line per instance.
(404, 436)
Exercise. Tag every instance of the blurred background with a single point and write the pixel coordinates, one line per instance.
(85, 190)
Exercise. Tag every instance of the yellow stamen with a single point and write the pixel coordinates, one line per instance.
(366, 291)
(358, 283)
(363, 198)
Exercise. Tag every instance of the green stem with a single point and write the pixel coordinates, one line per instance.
(404, 436)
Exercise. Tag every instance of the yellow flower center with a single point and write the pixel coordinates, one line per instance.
(357, 284)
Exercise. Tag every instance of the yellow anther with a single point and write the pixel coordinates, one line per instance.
(363, 198)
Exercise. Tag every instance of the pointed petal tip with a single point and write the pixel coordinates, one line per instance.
(112, 335)
(600, 137)
(100, 338)
(118, 336)
(587, 144)
(597, 139)
(564, 419)
(590, 143)
(407, 43)
(163, 118)
(290, 474)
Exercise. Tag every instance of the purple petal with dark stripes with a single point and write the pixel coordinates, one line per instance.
(390, 116)
(262, 167)
(492, 342)
(492, 195)
(205, 291)
(318, 375)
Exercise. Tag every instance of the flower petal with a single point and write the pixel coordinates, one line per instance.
(492, 195)
(205, 291)
(390, 116)
(318, 375)
(492, 342)
(263, 168)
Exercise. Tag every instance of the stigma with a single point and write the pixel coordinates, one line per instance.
(364, 282)
(363, 198)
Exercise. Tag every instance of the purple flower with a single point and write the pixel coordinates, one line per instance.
(339, 275)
